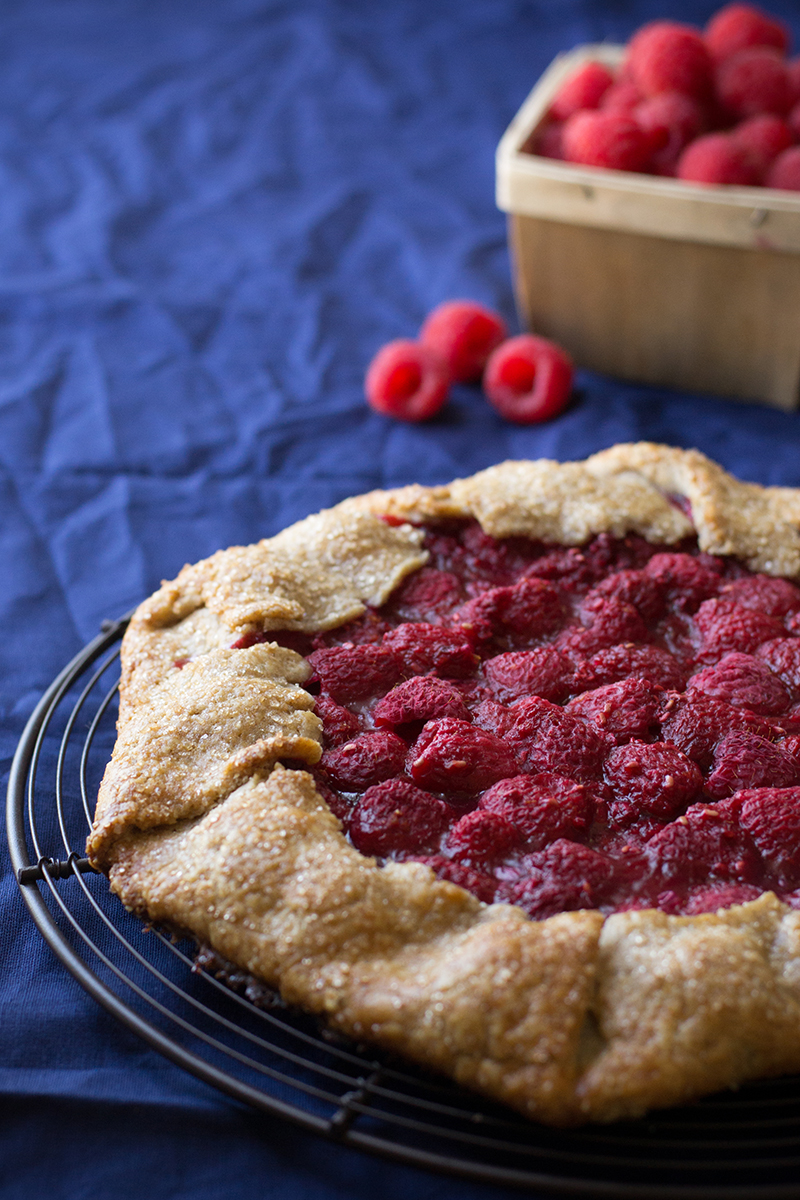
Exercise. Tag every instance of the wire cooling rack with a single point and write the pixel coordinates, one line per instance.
(742, 1145)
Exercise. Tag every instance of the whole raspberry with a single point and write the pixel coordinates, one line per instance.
(725, 625)
(477, 882)
(685, 580)
(350, 672)
(419, 648)
(716, 158)
(744, 681)
(775, 597)
(545, 737)
(739, 26)
(621, 98)
(542, 807)
(763, 137)
(635, 587)
(368, 759)
(717, 896)
(585, 88)
(463, 334)
(482, 838)
(544, 672)
(528, 379)
(338, 723)
(454, 756)
(656, 778)
(696, 724)
(427, 595)
(561, 878)
(420, 698)
(772, 818)
(782, 655)
(524, 612)
(407, 380)
(610, 622)
(744, 760)
(624, 710)
(599, 138)
(753, 81)
(396, 816)
(665, 56)
(784, 173)
(706, 842)
(640, 662)
(674, 116)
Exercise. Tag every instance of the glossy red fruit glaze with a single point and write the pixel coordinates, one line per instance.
(462, 334)
(368, 759)
(640, 662)
(716, 158)
(745, 681)
(614, 140)
(655, 777)
(544, 737)
(739, 26)
(686, 582)
(407, 380)
(725, 625)
(705, 843)
(351, 673)
(544, 672)
(784, 172)
(664, 56)
(775, 597)
(772, 818)
(753, 81)
(420, 698)
(419, 648)
(395, 816)
(531, 609)
(585, 88)
(764, 137)
(339, 723)
(636, 587)
(696, 724)
(744, 760)
(561, 878)
(528, 379)
(782, 655)
(625, 710)
(455, 756)
(542, 807)
(482, 838)
(480, 884)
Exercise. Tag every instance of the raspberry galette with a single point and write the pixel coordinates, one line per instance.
(502, 775)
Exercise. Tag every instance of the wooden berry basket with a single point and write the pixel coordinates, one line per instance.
(650, 279)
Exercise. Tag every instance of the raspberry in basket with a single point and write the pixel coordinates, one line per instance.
(717, 158)
(665, 56)
(739, 26)
(753, 81)
(584, 89)
(599, 138)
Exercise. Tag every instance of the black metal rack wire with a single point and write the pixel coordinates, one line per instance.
(742, 1145)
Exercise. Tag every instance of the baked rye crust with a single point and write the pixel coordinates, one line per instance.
(199, 825)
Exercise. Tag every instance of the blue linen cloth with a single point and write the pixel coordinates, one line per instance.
(211, 216)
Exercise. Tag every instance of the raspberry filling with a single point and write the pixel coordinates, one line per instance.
(610, 727)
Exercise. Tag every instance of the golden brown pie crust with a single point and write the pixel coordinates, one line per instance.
(199, 826)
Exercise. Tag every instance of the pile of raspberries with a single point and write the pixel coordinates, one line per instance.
(718, 106)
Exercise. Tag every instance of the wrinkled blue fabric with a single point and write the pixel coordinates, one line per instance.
(211, 216)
